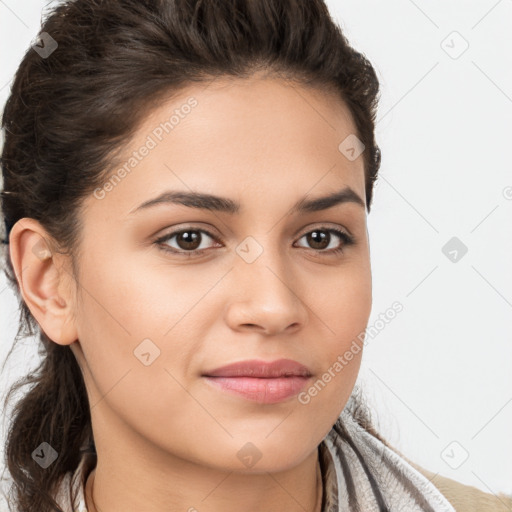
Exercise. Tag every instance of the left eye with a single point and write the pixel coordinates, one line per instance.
(322, 236)
(189, 240)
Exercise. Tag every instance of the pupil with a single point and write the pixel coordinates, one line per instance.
(188, 240)
(322, 239)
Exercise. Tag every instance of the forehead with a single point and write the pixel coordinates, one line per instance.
(227, 137)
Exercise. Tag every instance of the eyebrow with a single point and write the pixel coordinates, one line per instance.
(210, 202)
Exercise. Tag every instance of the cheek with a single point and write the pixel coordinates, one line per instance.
(344, 313)
(117, 311)
(137, 318)
(328, 393)
(344, 304)
(133, 367)
(132, 299)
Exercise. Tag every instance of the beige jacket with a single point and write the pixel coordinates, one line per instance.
(466, 498)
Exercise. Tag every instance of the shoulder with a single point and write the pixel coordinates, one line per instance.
(466, 498)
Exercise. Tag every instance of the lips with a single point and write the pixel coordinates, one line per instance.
(259, 381)
(261, 369)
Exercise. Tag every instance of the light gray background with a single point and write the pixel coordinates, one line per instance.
(439, 375)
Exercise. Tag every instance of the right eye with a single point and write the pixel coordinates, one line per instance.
(188, 240)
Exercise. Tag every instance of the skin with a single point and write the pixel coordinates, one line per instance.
(165, 439)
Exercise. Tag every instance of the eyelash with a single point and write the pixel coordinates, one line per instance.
(345, 237)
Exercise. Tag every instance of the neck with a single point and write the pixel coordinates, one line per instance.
(91, 503)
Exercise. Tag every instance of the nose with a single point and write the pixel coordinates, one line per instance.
(265, 297)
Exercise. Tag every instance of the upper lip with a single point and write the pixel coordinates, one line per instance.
(261, 369)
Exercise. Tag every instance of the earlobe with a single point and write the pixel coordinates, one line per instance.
(44, 283)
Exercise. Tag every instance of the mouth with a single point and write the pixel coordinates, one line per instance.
(260, 381)
(263, 391)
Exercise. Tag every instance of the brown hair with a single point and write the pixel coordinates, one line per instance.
(69, 113)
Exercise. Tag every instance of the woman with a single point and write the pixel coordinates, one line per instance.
(186, 188)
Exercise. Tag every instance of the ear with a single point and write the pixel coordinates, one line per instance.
(45, 284)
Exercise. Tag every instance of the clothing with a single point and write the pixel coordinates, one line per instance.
(402, 486)
(466, 498)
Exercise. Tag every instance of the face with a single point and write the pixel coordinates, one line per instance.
(170, 292)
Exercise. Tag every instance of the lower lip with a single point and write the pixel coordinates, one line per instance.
(264, 391)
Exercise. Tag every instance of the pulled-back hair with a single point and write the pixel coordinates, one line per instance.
(70, 113)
